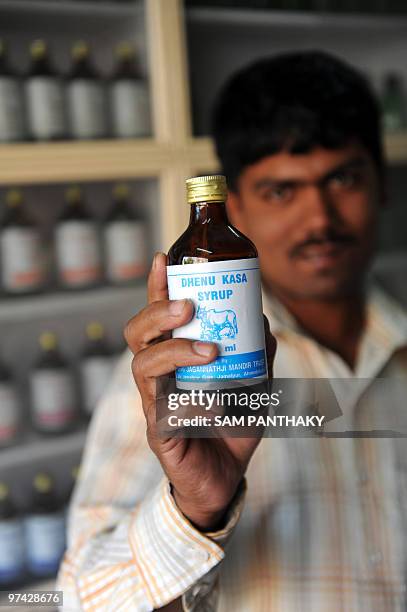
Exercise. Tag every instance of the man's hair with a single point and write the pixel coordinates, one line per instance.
(294, 102)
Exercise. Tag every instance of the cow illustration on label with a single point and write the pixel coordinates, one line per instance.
(217, 324)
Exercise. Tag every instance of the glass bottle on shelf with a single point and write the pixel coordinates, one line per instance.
(86, 96)
(44, 528)
(12, 541)
(22, 256)
(96, 366)
(9, 408)
(44, 97)
(77, 245)
(394, 104)
(129, 96)
(124, 240)
(12, 126)
(54, 408)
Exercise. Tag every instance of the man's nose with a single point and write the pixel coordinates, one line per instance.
(320, 211)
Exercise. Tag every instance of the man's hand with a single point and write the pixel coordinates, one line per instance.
(204, 472)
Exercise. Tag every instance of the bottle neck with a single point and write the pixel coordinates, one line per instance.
(208, 212)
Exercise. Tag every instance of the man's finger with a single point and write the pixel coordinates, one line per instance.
(157, 288)
(156, 319)
(271, 346)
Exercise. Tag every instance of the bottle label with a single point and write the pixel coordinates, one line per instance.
(87, 108)
(9, 412)
(130, 108)
(78, 252)
(45, 537)
(12, 550)
(45, 103)
(96, 372)
(11, 110)
(53, 398)
(228, 311)
(21, 259)
(125, 250)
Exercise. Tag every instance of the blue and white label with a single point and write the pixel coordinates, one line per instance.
(228, 311)
(45, 539)
(12, 550)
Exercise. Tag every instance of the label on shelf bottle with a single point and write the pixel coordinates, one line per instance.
(125, 243)
(87, 108)
(12, 550)
(22, 266)
(228, 311)
(78, 253)
(45, 106)
(11, 110)
(96, 373)
(9, 412)
(53, 399)
(45, 537)
(130, 108)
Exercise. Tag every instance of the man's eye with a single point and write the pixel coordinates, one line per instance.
(344, 180)
(278, 194)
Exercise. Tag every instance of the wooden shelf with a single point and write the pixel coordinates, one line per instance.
(34, 448)
(62, 303)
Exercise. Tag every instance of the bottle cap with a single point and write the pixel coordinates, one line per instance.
(80, 50)
(73, 195)
(120, 191)
(48, 341)
(14, 197)
(211, 188)
(95, 331)
(38, 49)
(4, 491)
(125, 50)
(42, 482)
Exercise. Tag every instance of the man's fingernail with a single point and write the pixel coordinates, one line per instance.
(203, 348)
(177, 306)
(156, 258)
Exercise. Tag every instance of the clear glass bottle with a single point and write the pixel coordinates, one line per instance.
(77, 245)
(124, 240)
(129, 96)
(44, 528)
(12, 543)
(86, 96)
(44, 97)
(21, 249)
(217, 267)
(12, 124)
(54, 404)
(96, 366)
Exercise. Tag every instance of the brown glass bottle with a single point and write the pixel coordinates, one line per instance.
(216, 267)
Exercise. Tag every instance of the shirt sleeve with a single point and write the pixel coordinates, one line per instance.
(129, 546)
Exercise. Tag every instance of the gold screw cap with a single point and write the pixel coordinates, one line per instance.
(42, 482)
(14, 197)
(48, 341)
(95, 331)
(210, 188)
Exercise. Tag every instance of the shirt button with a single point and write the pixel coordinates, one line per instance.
(198, 556)
(375, 558)
(363, 477)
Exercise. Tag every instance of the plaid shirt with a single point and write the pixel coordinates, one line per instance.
(322, 525)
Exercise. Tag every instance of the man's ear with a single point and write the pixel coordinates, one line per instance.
(235, 210)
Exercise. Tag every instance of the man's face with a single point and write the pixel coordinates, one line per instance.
(312, 217)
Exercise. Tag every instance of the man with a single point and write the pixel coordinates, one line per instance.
(317, 523)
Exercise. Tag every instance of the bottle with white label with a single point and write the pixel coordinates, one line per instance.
(10, 417)
(54, 406)
(12, 125)
(44, 97)
(216, 266)
(96, 366)
(44, 529)
(77, 245)
(124, 240)
(21, 249)
(12, 542)
(86, 96)
(129, 96)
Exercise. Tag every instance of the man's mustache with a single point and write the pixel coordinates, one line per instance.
(331, 237)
